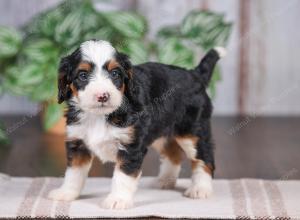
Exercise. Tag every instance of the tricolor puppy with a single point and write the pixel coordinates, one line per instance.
(116, 110)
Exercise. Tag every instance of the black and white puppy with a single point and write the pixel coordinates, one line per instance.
(116, 110)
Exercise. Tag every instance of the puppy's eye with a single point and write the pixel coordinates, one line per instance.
(115, 73)
(82, 76)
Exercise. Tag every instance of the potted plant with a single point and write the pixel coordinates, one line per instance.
(29, 57)
(3, 139)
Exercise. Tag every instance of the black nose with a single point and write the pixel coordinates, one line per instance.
(104, 97)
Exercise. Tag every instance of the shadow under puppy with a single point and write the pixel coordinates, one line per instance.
(116, 110)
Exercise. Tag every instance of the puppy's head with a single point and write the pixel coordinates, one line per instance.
(94, 77)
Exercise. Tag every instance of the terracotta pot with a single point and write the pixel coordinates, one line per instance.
(59, 128)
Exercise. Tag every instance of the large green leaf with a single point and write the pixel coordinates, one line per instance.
(46, 90)
(221, 37)
(68, 50)
(69, 6)
(30, 75)
(44, 24)
(26, 80)
(42, 50)
(10, 42)
(169, 31)
(207, 29)
(136, 50)
(103, 33)
(68, 31)
(51, 71)
(11, 81)
(129, 24)
(173, 51)
(52, 115)
(91, 19)
(217, 36)
(199, 21)
(48, 23)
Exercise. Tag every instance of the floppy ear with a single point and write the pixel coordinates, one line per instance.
(124, 61)
(64, 80)
(66, 67)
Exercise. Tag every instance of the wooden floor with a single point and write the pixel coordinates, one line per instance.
(267, 148)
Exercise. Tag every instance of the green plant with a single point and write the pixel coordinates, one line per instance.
(29, 57)
(3, 138)
(180, 44)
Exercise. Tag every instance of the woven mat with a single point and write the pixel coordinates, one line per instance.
(243, 198)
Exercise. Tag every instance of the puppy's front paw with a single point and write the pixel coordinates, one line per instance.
(199, 191)
(116, 202)
(63, 194)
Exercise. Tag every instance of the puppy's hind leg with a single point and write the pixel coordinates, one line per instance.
(201, 186)
(79, 163)
(199, 150)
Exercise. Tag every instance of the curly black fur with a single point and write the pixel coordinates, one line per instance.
(165, 100)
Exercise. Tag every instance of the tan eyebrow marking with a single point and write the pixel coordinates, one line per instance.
(112, 64)
(84, 66)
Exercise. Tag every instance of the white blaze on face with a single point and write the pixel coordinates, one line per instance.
(98, 53)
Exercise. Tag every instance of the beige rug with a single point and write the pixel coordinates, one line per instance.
(243, 198)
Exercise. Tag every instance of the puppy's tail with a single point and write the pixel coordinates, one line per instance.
(208, 62)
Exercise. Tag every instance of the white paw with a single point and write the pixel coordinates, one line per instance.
(63, 194)
(167, 183)
(116, 202)
(199, 191)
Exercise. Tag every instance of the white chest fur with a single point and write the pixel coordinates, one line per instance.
(102, 138)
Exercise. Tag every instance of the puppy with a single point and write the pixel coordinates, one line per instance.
(116, 110)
